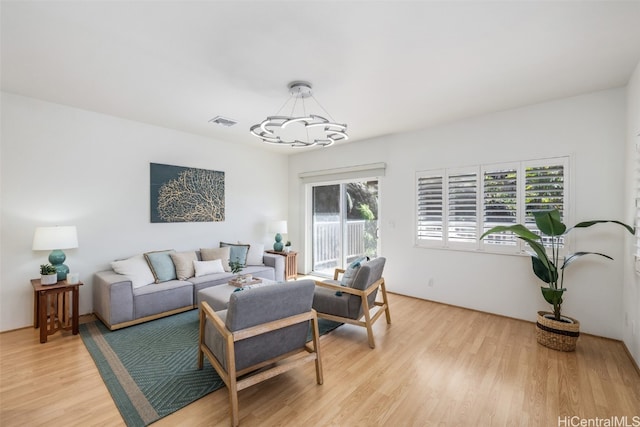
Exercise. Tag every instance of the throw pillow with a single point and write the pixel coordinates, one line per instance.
(238, 252)
(136, 268)
(161, 265)
(255, 254)
(209, 254)
(183, 262)
(351, 271)
(203, 268)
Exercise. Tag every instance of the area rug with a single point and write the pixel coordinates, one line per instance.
(151, 369)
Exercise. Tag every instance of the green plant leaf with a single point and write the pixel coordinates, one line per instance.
(573, 257)
(552, 296)
(547, 275)
(599, 221)
(549, 222)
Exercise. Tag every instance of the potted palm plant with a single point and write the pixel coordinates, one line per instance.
(553, 329)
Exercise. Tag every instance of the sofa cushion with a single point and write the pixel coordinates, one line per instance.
(209, 254)
(183, 262)
(255, 254)
(238, 252)
(161, 265)
(203, 268)
(136, 268)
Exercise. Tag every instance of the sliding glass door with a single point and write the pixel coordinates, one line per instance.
(344, 224)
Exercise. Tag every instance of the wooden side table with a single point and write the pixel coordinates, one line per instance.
(290, 264)
(52, 305)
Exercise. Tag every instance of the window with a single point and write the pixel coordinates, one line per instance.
(500, 203)
(430, 207)
(462, 205)
(455, 206)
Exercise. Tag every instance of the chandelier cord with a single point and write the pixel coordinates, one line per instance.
(319, 105)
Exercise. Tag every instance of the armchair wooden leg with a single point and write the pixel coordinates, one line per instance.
(233, 401)
(385, 302)
(233, 382)
(367, 321)
(316, 346)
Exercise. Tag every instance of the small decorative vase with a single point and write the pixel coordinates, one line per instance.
(49, 279)
(287, 249)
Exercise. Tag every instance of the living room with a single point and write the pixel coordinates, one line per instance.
(64, 164)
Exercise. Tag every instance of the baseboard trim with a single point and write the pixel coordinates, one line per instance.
(633, 361)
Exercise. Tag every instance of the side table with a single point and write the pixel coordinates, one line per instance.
(290, 264)
(51, 307)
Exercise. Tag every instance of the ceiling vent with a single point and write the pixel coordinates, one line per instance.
(223, 121)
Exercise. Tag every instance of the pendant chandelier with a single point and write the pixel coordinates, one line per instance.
(300, 128)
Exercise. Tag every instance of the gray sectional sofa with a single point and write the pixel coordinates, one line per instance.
(118, 302)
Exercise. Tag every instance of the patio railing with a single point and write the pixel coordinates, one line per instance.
(326, 243)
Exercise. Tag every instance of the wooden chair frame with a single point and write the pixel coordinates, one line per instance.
(369, 320)
(230, 376)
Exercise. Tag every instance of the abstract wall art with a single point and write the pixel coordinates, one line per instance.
(181, 194)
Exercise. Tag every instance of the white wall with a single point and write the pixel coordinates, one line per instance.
(590, 128)
(631, 290)
(65, 166)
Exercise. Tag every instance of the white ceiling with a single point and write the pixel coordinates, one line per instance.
(382, 67)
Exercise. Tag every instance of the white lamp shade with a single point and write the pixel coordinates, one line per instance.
(50, 238)
(278, 227)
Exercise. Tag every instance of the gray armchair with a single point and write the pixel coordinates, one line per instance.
(355, 304)
(261, 327)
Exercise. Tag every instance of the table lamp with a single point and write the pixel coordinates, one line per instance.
(55, 239)
(278, 227)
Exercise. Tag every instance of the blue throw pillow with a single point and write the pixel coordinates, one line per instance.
(161, 265)
(237, 252)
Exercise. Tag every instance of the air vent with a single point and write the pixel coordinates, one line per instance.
(223, 121)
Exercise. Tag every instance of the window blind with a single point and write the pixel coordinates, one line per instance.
(430, 207)
(462, 218)
(500, 192)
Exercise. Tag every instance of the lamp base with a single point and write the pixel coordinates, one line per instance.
(56, 258)
(277, 246)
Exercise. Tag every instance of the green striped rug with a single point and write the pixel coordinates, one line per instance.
(151, 369)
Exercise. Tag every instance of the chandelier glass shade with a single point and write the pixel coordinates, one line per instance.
(300, 128)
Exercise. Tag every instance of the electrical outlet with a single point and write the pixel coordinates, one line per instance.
(430, 284)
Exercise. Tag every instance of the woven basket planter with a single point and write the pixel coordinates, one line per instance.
(557, 335)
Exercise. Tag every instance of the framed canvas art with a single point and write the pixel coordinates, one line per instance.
(181, 194)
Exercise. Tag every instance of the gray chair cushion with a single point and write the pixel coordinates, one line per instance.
(261, 305)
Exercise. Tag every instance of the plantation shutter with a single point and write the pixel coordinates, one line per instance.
(544, 189)
(500, 203)
(454, 207)
(430, 209)
(462, 212)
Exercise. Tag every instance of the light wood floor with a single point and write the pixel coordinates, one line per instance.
(435, 365)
